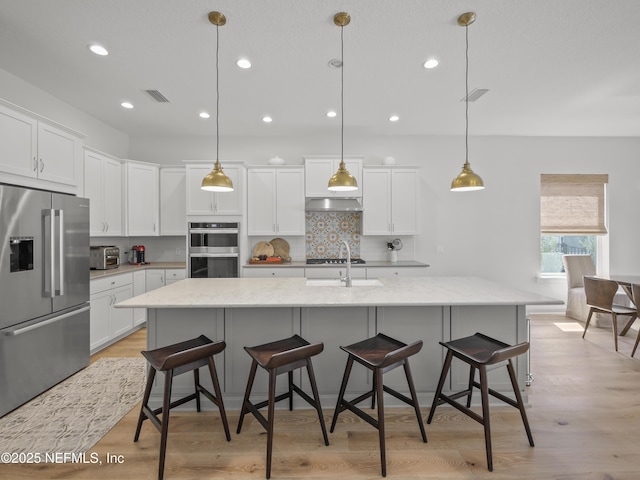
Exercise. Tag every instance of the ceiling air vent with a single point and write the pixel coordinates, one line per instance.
(157, 96)
(475, 94)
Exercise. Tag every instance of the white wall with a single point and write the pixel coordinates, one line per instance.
(99, 135)
(493, 233)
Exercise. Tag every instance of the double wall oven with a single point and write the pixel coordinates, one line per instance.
(213, 250)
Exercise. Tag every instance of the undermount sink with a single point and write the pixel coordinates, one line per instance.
(356, 282)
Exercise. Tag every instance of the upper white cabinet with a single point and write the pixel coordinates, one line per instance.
(173, 201)
(390, 200)
(103, 187)
(38, 153)
(202, 202)
(141, 200)
(276, 201)
(319, 169)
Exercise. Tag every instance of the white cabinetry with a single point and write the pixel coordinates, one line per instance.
(202, 202)
(319, 169)
(276, 201)
(334, 272)
(107, 323)
(139, 287)
(390, 200)
(377, 272)
(157, 277)
(173, 201)
(103, 187)
(38, 153)
(141, 202)
(280, 272)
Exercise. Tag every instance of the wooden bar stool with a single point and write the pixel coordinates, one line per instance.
(479, 351)
(281, 356)
(379, 354)
(173, 360)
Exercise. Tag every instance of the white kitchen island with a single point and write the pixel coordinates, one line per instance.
(252, 311)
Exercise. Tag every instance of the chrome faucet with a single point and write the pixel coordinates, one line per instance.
(347, 279)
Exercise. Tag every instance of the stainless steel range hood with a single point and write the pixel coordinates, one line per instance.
(333, 205)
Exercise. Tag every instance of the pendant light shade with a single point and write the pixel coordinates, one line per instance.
(342, 180)
(467, 180)
(216, 180)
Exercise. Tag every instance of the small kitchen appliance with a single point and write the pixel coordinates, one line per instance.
(104, 257)
(136, 255)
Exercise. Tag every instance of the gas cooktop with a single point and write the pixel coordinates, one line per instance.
(332, 261)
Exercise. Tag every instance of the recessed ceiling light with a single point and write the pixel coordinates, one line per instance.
(331, 114)
(431, 63)
(204, 115)
(394, 118)
(126, 105)
(243, 63)
(267, 119)
(98, 49)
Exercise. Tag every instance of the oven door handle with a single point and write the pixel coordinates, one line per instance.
(213, 230)
(212, 255)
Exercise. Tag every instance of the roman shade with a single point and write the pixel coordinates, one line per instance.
(573, 204)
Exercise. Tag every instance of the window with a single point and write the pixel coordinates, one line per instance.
(572, 217)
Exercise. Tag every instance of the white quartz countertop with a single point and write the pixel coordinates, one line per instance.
(293, 292)
(126, 268)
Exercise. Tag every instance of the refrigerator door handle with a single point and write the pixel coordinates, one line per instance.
(20, 331)
(49, 251)
(60, 270)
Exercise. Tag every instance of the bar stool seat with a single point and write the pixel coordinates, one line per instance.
(281, 356)
(379, 354)
(174, 360)
(479, 351)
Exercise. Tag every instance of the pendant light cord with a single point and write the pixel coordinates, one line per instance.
(217, 93)
(342, 94)
(466, 98)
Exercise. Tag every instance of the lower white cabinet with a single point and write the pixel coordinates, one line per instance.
(159, 277)
(280, 272)
(139, 287)
(334, 272)
(377, 272)
(107, 322)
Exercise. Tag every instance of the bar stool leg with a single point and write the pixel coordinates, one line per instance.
(145, 401)
(614, 318)
(472, 377)
(443, 377)
(484, 391)
(290, 379)
(316, 397)
(271, 409)
(523, 413)
(414, 398)
(196, 382)
(166, 401)
(218, 393)
(379, 392)
(373, 391)
(247, 394)
(343, 387)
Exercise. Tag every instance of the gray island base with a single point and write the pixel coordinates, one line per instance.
(252, 311)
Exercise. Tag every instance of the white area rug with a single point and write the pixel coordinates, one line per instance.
(75, 414)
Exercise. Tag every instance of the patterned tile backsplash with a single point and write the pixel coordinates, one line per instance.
(327, 230)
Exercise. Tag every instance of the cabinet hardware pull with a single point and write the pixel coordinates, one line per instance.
(35, 164)
(41, 166)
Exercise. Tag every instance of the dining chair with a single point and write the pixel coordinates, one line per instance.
(635, 289)
(600, 294)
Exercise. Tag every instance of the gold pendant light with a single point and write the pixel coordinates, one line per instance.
(217, 181)
(467, 180)
(342, 180)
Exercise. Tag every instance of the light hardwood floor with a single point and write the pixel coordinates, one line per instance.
(584, 412)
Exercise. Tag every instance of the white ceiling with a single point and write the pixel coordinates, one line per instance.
(552, 67)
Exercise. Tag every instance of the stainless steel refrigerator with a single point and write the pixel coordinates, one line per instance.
(44, 291)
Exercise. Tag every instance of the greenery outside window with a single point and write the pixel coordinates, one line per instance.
(572, 217)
